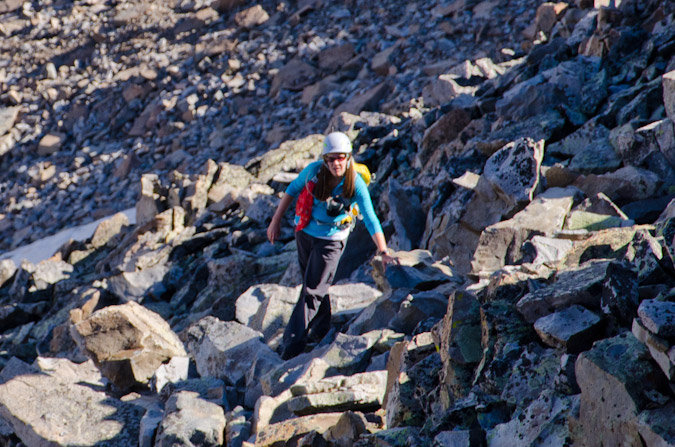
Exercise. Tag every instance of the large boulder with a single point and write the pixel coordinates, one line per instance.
(618, 380)
(39, 403)
(582, 285)
(501, 243)
(190, 421)
(510, 180)
(127, 342)
(227, 349)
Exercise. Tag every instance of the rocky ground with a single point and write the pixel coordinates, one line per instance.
(524, 160)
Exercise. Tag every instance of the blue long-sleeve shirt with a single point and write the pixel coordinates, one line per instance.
(320, 223)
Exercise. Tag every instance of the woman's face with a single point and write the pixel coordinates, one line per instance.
(337, 163)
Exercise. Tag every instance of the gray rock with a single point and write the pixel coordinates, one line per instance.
(108, 229)
(127, 342)
(290, 156)
(616, 378)
(175, 370)
(543, 421)
(414, 270)
(532, 373)
(248, 304)
(589, 148)
(658, 317)
(137, 285)
(574, 286)
(7, 270)
(224, 349)
(460, 343)
(654, 427)
(8, 117)
(573, 329)
(659, 348)
(627, 184)
(405, 212)
(33, 404)
(668, 81)
(237, 429)
(283, 431)
(501, 244)
(191, 421)
(362, 391)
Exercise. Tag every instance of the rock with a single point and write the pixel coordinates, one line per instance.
(382, 62)
(413, 370)
(574, 286)
(176, 370)
(590, 149)
(348, 429)
(127, 342)
(573, 329)
(446, 129)
(250, 17)
(237, 429)
(295, 75)
(623, 185)
(658, 317)
(460, 343)
(33, 404)
(367, 100)
(405, 212)
(415, 269)
(137, 285)
(108, 229)
(616, 378)
(50, 143)
(191, 421)
(290, 156)
(509, 182)
(333, 58)
(362, 391)
(7, 270)
(659, 348)
(289, 430)
(652, 425)
(226, 349)
(668, 80)
(8, 117)
(544, 420)
(548, 14)
(501, 244)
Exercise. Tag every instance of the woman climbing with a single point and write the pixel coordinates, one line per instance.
(326, 191)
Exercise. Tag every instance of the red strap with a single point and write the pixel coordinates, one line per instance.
(303, 207)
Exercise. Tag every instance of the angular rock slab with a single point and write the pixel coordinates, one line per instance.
(661, 350)
(616, 378)
(191, 421)
(578, 286)
(572, 329)
(226, 349)
(658, 317)
(53, 410)
(127, 342)
(282, 432)
(339, 393)
(544, 422)
(500, 244)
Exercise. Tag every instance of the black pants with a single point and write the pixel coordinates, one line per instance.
(310, 319)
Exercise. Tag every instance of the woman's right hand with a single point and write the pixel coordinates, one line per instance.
(273, 230)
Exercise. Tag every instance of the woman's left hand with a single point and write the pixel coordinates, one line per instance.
(388, 259)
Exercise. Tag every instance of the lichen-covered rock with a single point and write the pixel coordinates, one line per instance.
(617, 379)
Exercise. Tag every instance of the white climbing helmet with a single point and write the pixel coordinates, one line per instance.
(337, 143)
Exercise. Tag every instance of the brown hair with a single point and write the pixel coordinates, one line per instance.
(322, 191)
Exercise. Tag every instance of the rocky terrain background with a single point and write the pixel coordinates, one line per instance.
(524, 160)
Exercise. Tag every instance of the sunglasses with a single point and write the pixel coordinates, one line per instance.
(335, 157)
